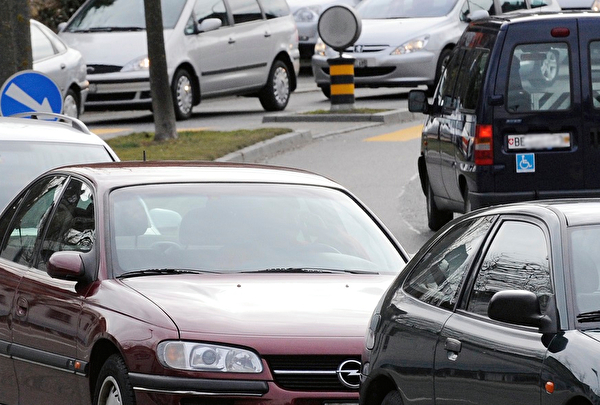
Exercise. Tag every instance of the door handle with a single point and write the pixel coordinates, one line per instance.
(22, 307)
(62, 66)
(231, 41)
(267, 34)
(453, 347)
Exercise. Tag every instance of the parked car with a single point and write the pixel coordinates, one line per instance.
(61, 63)
(29, 147)
(512, 119)
(213, 49)
(500, 307)
(593, 5)
(405, 43)
(167, 282)
(307, 13)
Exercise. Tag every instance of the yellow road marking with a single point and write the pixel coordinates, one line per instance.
(402, 135)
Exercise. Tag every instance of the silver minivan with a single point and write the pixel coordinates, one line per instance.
(213, 48)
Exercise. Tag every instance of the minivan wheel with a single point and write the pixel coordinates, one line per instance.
(71, 104)
(436, 218)
(276, 93)
(392, 398)
(113, 386)
(183, 94)
(326, 89)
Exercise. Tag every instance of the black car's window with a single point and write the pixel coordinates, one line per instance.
(585, 266)
(539, 78)
(445, 97)
(275, 8)
(204, 9)
(517, 259)
(245, 10)
(437, 278)
(595, 72)
(472, 73)
(72, 224)
(20, 242)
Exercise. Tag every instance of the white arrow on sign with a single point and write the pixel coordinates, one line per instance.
(16, 93)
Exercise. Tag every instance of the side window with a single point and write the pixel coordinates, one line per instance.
(438, 277)
(275, 8)
(204, 9)
(476, 5)
(517, 259)
(245, 11)
(539, 78)
(19, 246)
(595, 72)
(41, 46)
(473, 71)
(72, 225)
(445, 95)
(512, 5)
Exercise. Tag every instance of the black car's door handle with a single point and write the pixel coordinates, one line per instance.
(453, 345)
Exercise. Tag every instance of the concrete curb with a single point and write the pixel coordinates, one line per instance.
(387, 117)
(270, 147)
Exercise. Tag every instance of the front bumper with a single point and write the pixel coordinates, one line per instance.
(118, 89)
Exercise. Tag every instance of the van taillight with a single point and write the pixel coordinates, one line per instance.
(484, 151)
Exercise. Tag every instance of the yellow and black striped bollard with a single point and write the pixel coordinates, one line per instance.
(341, 73)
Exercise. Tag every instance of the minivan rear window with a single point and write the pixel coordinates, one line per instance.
(595, 72)
(539, 78)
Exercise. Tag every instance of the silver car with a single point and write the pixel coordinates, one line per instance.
(64, 65)
(405, 43)
(213, 48)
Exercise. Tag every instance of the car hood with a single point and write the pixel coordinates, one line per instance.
(98, 48)
(395, 31)
(266, 304)
(325, 4)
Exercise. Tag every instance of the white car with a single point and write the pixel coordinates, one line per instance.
(29, 147)
(213, 48)
(64, 65)
(405, 43)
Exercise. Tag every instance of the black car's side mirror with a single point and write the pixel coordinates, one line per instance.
(417, 102)
(518, 307)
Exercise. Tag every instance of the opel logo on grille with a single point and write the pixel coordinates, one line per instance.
(349, 373)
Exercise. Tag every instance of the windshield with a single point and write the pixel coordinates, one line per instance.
(40, 156)
(585, 263)
(121, 15)
(245, 227)
(385, 9)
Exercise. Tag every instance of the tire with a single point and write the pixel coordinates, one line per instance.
(71, 104)
(326, 91)
(441, 64)
(392, 398)
(436, 218)
(276, 93)
(183, 94)
(113, 386)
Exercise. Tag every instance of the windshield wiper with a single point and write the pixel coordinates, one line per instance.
(109, 29)
(158, 272)
(593, 316)
(308, 270)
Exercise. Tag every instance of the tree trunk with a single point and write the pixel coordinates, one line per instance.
(162, 100)
(15, 37)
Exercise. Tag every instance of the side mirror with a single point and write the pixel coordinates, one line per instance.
(62, 26)
(518, 307)
(417, 101)
(66, 265)
(210, 24)
(477, 15)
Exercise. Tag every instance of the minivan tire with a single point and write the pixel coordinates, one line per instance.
(436, 218)
(71, 104)
(183, 94)
(276, 93)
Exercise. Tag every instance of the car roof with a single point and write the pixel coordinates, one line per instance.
(112, 175)
(31, 130)
(529, 17)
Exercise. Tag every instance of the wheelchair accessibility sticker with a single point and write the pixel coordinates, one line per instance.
(525, 163)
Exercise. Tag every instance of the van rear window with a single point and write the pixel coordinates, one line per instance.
(595, 72)
(539, 78)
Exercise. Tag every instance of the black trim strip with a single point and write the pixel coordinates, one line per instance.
(114, 81)
(235, 69)
(199, 386)
(43, 358)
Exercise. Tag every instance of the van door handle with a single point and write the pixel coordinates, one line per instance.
(22, 307)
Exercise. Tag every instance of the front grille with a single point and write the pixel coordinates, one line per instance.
(369, 71)
(365, 48)
(97, 69)
(309, 373)
(125, 96)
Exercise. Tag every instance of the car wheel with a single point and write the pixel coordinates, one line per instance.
(113, 386)
(71, 104)
(436, 218)
(392, 398)
(546, 70)
(276, 93)
(326, 91)
(183, 94)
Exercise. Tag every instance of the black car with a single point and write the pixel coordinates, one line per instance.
(515, 116)
(502, 306)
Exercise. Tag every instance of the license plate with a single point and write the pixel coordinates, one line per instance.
(361, 63)
(539, 141)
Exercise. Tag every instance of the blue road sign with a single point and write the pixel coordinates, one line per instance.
(30, 91)
(525, 163)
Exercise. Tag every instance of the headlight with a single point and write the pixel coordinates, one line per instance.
(596, 5)
(411, 46)
(196, 356)
(142, 63)
(320, 47)
(307, 14)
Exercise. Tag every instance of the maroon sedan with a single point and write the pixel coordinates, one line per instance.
(187, 283)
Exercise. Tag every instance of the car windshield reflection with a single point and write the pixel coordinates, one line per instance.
(245, 227)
